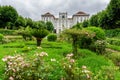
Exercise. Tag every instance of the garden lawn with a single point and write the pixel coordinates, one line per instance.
(55, 50)
(7, 49)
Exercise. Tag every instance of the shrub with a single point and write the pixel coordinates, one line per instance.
(96, 43)
(64, 37)
(26, 33)
(12, 38)
(106, 73)
(7, 32)
(114, 47)
(1, 37)
(98, 46)
(113, 41)
(17, 68)
(113, 33)
(52, 37)
(84, 43)
(26, 49)
(39, 34)
(73, 72)
(115, 57)
(78, 34)
(99, 33)
(85, 23)
(35, 68)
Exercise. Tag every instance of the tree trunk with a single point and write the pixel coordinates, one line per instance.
(74, 45)
(39, 41)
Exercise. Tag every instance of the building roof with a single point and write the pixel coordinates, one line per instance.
(48, 14)
(80, 13)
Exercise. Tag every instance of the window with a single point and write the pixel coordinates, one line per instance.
(63, 16)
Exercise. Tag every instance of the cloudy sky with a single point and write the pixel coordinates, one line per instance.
(34, 8)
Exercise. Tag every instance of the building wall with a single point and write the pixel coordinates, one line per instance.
(63, 22)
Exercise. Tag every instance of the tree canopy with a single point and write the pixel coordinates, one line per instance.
(113, 11)
(108, 18)
(8, 15)
(50, 26)
(20, 22)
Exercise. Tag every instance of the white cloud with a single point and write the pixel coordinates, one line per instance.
(34, 8)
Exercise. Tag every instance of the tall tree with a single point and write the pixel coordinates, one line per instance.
(20, 22)
(8, 15)
(94, 20)
(50, 26)
(113, 11)
(29, 22)
(85, 23)
(103, 19)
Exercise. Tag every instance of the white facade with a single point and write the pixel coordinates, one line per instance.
(63, 22)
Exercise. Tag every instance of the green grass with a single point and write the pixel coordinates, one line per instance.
(114, 47)
(92, 60)
(55, 50)
(117, 75)
(7, 51)
(95, 63)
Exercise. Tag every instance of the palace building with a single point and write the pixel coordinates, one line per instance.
(63, 21)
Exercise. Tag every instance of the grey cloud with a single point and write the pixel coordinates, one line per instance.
(34, 8)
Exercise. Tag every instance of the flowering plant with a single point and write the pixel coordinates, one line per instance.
(15, 67)
(18, 68)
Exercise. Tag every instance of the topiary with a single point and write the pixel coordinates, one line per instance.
(52, 37)
(26, 33)
(97, 43)
(100, 34)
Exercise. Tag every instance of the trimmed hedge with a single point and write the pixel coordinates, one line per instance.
(114, 47)
(52, 37)
(113, 41)
(97, 43)
(7, 32)
(1, 37)
(113, 33)
(99, 32)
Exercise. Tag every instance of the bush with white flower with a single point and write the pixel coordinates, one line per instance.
(73, 72)
(15, 67)
(39, 68)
